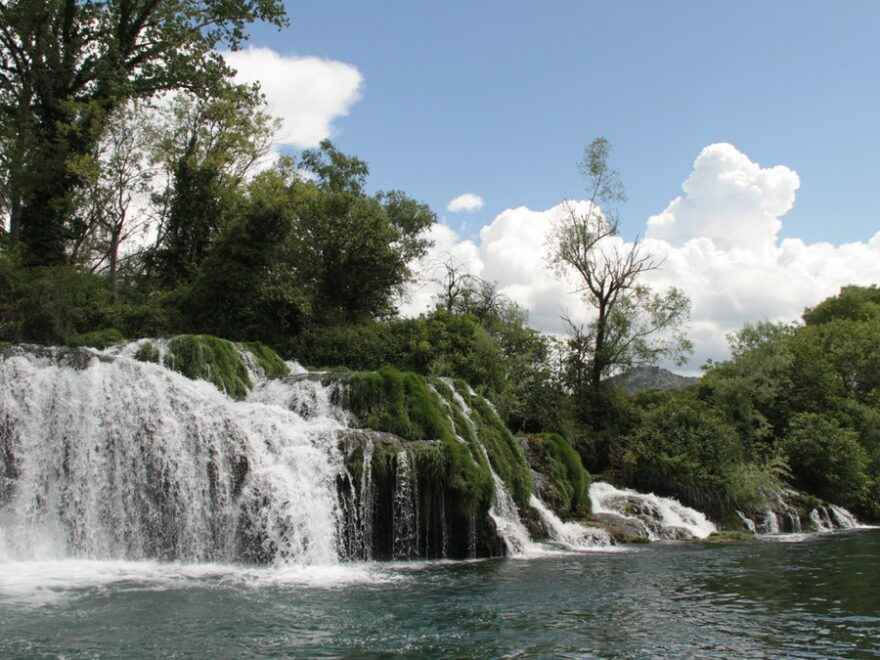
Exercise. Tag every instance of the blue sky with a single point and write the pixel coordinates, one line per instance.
(498, 98)
(766, 113)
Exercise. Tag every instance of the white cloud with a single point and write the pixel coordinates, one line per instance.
(307, 93)
(721, 245)
(729, 199)
(465, 203)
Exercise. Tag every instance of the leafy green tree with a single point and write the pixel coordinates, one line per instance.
(855, 303)
(683, 448)
(247, 287)
(826, 458)
(206, 149)
(69, 64)
(632, 324)
(356, 249)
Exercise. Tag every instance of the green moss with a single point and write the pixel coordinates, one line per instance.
(403, 404)
(147, 353)
(212, 359)
(267, 359)
(568, 482)
(96, 339)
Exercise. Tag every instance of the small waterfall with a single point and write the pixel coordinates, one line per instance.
(570, 534)
(748, 522)
(505, 514)
(365, 516)
(820, 520)
(843, 518)
(405, 521)
(664, 518)
(770, 524)
(794, 522)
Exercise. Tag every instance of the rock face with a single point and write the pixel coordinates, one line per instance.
(639, 379)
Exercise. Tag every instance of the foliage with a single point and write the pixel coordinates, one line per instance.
(69, 65)
(683, 448)
(568, 483)
(267, 360)
(854, 303)
(97, 338)
(827, 459)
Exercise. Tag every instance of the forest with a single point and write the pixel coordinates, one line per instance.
(140, 197)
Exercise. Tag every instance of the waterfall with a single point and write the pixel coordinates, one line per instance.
(113, 458)
(820, 520)
(571, 535)
(770, 524)
(843, 518)
(664, 518)
(365, 513)
(405, 521)
(748, 522)
(505, 514)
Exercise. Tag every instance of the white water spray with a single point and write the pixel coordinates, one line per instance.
(118, 459)
(663, 517)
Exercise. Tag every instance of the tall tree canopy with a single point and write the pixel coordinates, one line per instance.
(66, 65)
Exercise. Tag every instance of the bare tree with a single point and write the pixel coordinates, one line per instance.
(631, 323)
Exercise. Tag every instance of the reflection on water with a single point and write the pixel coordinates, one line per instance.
(816, 598)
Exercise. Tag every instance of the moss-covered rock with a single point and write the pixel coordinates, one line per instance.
(267, 360)
(404, 404)
(564, 483)
(441, 527)
(148, 352)
(209, 358)
(218, 361)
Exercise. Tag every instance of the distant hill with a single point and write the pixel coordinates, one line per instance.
(639, 379)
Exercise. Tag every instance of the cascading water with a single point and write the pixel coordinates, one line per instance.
(505, 514)
(571, 535)
(662, 517)
(843, 518)
(114, 458)
(770, 523)
(405, 524)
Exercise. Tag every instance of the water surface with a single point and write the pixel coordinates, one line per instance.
(818, 597)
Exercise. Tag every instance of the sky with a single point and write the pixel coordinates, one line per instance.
(746, 134)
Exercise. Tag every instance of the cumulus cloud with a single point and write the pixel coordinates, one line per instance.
(465, 203)
(721, 244)
(307, 93)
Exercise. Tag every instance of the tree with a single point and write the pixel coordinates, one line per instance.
(357, 249)
(111, 207)
(632, 324)
(67, 65)
(205, 150)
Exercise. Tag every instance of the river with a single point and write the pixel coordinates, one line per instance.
(816, 597)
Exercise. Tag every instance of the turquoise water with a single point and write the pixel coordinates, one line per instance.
(819, 597)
